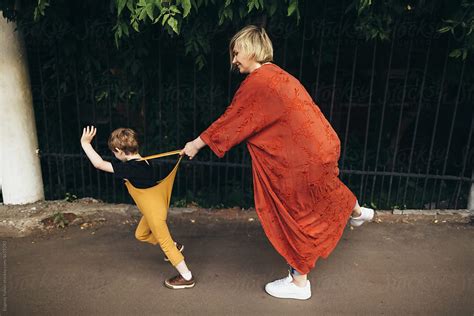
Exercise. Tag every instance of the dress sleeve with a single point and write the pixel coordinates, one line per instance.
(254, 107)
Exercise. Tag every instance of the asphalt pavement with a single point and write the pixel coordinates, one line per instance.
(383, 268)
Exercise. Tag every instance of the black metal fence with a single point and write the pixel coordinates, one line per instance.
(403, 109)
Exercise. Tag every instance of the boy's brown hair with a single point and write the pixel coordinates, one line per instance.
(125, 139)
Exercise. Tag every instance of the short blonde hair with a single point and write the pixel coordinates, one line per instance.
(125, 139)
(253, 41)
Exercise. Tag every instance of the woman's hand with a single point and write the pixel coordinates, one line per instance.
(88, 134)
(192, 148)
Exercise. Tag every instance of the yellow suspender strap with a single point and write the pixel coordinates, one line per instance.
(169, 153)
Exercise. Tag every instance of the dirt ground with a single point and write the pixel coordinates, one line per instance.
(398, 264)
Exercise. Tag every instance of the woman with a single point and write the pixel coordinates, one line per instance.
(301, 203)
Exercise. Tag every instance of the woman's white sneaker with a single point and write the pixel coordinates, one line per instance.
(285, 288)
(366, 216)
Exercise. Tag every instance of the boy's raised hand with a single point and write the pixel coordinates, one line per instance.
(88, 134)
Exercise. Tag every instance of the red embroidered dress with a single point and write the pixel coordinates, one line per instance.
(302, 205)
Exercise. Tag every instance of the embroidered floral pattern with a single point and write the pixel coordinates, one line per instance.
(301, 203)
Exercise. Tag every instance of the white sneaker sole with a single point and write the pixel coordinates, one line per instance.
(294, 296)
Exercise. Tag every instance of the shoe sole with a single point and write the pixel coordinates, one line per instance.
(286, 297)
(289, 296)
(179, 287)
(180, 250)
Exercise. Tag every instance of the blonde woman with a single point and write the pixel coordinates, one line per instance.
(301, 203)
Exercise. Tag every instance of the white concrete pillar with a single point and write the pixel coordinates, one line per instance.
(20, 171)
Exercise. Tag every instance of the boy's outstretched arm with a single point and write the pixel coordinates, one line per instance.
(88, 134)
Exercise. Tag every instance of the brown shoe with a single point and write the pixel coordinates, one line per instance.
(180, 249)
(178, 282)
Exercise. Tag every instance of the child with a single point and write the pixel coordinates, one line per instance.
(123, 143)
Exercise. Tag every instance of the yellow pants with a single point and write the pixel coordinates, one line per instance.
(153, 203)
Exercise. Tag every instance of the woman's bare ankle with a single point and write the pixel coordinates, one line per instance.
(300, 280)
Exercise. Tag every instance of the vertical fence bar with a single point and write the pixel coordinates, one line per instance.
(109, 107)
(420, 100)
(79, 127)
(178, 106)
(285, 48)
(432, 192)
(416, 189)
(194, 121)
(74, 175)
(382, 116)
(448, 147)
(60, 116)
(400, 117)
(144, 110)
(417, 119)
(364, 190)
(300, 73)
(379, 202)
(318, 70)
(45, 124)
(398, 189)
(374, 55)
(435, 124)
(465, 159)
(160, 104)
(436, 119)
(226, 177)
(96, 145)
(212, 110)
(346, 134)
(336, 65)
(244, 158)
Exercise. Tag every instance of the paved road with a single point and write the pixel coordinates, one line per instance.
(378, 269)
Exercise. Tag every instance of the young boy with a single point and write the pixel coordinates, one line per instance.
(123, 142)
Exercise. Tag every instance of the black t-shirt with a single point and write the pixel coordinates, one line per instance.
(139, 173)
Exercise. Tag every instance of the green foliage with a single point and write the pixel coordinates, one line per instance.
(461, 26)
(177, 15)
(70, 197)
(59, 220)
(375, 19)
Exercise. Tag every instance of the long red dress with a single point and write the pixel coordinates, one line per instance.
(302, 204)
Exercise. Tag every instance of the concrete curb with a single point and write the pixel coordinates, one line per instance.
(464, 212)
(23, 220)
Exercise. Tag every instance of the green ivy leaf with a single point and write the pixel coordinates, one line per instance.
(173, 23)
(242, 12)
(135, 26)
(120, 5)
(292, 7)
(272, 9)
(165, 18)
(186, 5)
(444, 29)
(174, 9)
(130, 5)
(456, 53)
(142, 14)
(229, 13)
(149, 11)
